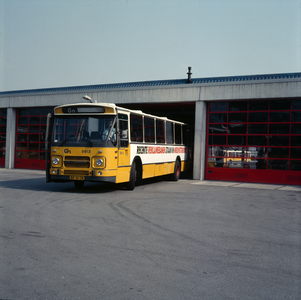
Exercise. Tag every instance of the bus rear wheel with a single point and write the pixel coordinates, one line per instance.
(79, 184)
(177, 171)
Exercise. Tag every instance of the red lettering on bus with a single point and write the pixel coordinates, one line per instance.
(160, 150)
(150, 150)
(180, 150)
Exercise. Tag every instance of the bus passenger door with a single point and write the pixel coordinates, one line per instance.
(123, 141)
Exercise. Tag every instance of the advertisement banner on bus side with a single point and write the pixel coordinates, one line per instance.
(158, 154)
(160, 149)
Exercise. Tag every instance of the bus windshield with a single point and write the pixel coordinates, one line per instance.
(84, 131)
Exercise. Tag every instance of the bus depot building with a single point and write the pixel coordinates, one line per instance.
(243, 128)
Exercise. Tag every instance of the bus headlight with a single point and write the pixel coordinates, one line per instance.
(99, 162)
(56, 161)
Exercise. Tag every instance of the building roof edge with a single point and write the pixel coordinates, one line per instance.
(138, 84)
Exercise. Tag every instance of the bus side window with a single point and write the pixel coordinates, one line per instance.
(136, 128)
(160, 131)
(169, 133)
(149, 130)
(178, 134)
(123, 130)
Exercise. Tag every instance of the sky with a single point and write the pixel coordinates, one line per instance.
(60, 43)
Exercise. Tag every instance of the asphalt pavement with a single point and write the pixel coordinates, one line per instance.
(164, 240)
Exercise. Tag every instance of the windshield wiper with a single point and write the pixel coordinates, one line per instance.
(66, 140)
(111, 131)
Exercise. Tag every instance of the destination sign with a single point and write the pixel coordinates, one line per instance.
(83, 109)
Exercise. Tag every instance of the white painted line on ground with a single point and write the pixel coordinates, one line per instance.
(291, 188)
(248, 185)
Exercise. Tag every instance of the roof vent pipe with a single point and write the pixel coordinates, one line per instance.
(189, 80)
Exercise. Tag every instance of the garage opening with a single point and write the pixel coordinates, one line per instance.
(30, 138)
(184, 112)
(254, 141)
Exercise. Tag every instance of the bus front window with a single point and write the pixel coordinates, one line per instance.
(84, 131)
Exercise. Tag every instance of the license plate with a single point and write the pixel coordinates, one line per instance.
(77, 178)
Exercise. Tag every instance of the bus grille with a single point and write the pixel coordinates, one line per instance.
(77, 162)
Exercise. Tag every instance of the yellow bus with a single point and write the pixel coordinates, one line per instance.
(100, 142)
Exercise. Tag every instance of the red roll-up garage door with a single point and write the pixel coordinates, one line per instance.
(30, 143)
(254, 141)
(3, 118)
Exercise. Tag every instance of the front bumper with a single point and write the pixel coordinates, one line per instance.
(65, 178)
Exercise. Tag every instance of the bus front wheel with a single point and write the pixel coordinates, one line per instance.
(131, 184)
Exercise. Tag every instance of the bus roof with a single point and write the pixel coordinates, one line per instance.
(115, 110)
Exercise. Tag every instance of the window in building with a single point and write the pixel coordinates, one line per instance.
(218, 106)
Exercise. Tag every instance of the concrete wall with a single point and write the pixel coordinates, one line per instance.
(10, 138)
(199, 141)
(166, 94)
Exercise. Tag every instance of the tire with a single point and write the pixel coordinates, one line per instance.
(79, 184)
(177, 171)
(131, 184)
